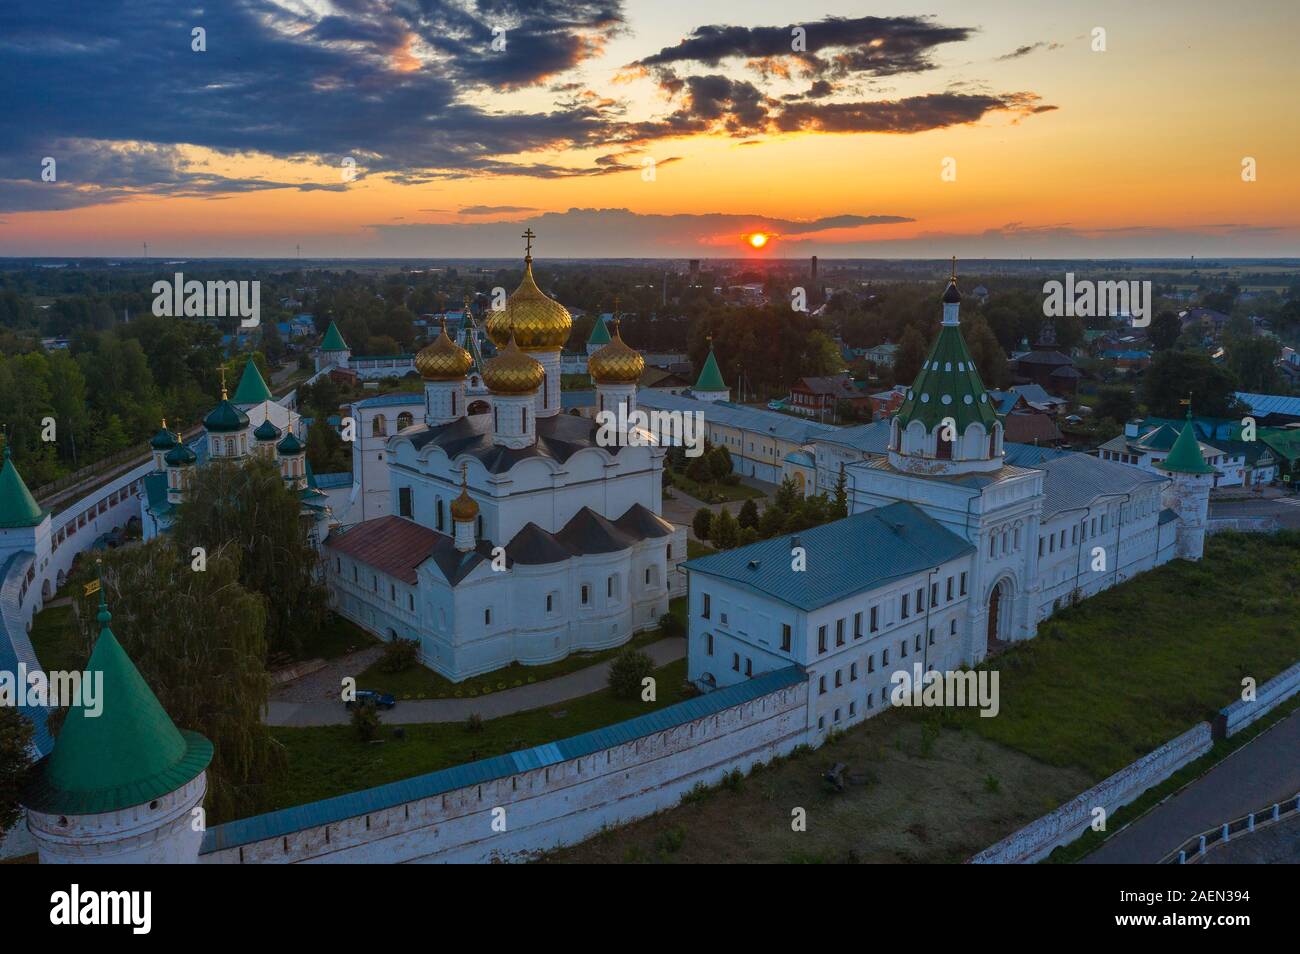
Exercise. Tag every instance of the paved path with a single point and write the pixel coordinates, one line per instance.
(1286, 510)
(681, 509)
(560, 689)
(1262, 772)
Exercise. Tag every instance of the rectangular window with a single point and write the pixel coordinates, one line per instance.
(871, 663)
(821, 685)
(920, 600)
(853, 673)
(839, 678)
(550, 602)
(487, 617)
(749, 666)
(708, 644)
(404, 501)
(839, 632)
(949, 588)
(934, 593)
(857, 625)
(609, 587)
(884, 657)
(735, 661)
(1040, 546)
(963, 584)
(821, 639)
(586, 596)
(704, 612)
(410, 602)
(875, 619)
(904, 605)
(785, 637)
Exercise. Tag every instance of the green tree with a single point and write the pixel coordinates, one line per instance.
(326, 451)
(772, 522)
(726, 532)
(251, 506)
(15, 758)
(199, 641)
(627, 671)
(1116, 403)
(1174, 375)
(990, 359)
(702, 523)
(910, 355)
(748, 516)
(787, 495)
(1164, 331)
(840, 506)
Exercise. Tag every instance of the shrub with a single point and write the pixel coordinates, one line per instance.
(399, 655)
(365, 720)
(473, 723)
(748, 516)
(726, 533)
(702, 522)
(626, 672)
(670, 840)
(671, 625)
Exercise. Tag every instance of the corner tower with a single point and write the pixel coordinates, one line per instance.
(1189, 491)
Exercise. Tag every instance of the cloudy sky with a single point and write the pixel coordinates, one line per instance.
(633, 128)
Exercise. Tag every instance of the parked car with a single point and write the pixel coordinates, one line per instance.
(369, 697)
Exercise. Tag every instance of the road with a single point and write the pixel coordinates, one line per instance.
(506, 702)
(1260, 773)
(1285, 509)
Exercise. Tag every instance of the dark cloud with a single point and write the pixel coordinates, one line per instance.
(878, 46)
(495, 209)
(911, 114)
(1020, 51)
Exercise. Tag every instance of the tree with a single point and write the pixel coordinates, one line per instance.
(702, 523)
(910, 355)
(251, 506)
(726, 532)
(326, 451)
(748, 516)
(15, 758)
(1116, 403)
(840, 505)
(772, 521)
(627, 671)
(671, 626)
(199, 641)
(1174, 375)
(787, 495)
(1253, 361)
(365, 721)
(1164, 331)
(990, 359)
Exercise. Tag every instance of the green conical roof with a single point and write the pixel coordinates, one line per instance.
(252, 388)
(948, 384)
(599, 333)
(18, 508)
(710, 378)
(128, 754)
(1185, 456)
(333, 340)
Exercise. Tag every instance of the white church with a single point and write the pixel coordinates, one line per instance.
(493, 528)
(949, 550)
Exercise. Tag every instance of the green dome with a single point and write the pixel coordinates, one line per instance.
(225, 418)
(163, 440)
(127, 754)
(180, 456)
(18, 508)
(290, 445)
(266, 431)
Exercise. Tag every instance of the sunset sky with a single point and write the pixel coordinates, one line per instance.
(837, 150)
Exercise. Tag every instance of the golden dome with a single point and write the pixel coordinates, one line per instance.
(539, 323)
(512, 371)
(443, 360)
(616, 363)
(463, 508)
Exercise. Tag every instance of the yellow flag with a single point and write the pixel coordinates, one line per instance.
(91, 587)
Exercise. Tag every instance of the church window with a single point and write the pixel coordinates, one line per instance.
(963, 584)
(821, 639)
(404, 501)
(918, 642)
(875, 619)
(230, 447)
(453, 403)
(670, 551)
(1103, 523)
(438, 513)
(378, 426)
(857, 625)
(410, 602)
(647, 576)
(1051, 544)
(487, 617)
(704, 613)
(949, 589)
(749, 666)
(853, 672)
(735, 664)
(354, 574)
(871, 663)
(821, 685)
(392, 592)
(1004, 542)
(993, 546)
(839, 678)
(871, 700)
(785, 637)
(374, 583)
(931, 640)
(1074, 535)
(903, 603)
(1041, 541)
(405, 420)
(1094, 526)
(586, 599)
(550, 602)
(523, 419)
(839, 632)
(853, 709)
(920, 599)
(934, 593)
(884, 657)
(708, 644)
(1063, 538)
(479, 530)
(902, 649)
(496, 418)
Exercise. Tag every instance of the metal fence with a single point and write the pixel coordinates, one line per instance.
(1195, 847)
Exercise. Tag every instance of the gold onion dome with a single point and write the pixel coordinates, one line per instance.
(512, 371)
(443, 360)
(616, 363)
(539, 323)
(463, 508)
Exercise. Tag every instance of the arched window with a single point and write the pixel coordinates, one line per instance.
(230, 447)
(942, 447)
(404, 420)
(379, 426)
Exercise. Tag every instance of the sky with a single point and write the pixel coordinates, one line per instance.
(629, 128)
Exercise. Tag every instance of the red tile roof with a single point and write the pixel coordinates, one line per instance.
(393, 545)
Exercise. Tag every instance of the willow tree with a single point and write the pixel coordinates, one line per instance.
(250, 506)
(199, 640)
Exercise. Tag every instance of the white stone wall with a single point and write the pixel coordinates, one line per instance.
(1267, 697)
(551, 806)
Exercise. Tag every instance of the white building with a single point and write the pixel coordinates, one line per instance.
(952, 550)
(511, 535)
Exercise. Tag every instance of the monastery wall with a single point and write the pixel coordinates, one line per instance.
(513, 807)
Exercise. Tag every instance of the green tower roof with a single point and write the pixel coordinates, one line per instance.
(163, 440)
(1185, 456)
(290, 445)
(18, 508)
(710, 378)
(128, 754)
(599, 333)
(180, 455)
(948, 384)
(333, 340)
(252, 387)
(225, 417)
(266, 431)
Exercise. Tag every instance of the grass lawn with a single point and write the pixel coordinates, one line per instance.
(696, 549)
(417, 682)
(336, 638)
(1101, 685)
(329, 760)
(714, 492)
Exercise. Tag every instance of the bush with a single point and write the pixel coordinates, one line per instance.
(626, 672)
(399, 655)
(473, 723)
(702, 522)
(365, 720)
(671, 625)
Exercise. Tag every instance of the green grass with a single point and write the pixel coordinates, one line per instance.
(325, 761)
(1129, 669)
(714, 492)
(336, 638)
(696, 549)
(418, 682)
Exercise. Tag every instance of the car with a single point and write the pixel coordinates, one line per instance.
(370, 697)
(775, 405)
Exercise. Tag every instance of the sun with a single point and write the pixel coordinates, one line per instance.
(759, 239)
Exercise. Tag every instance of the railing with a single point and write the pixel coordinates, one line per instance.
(1194, 848)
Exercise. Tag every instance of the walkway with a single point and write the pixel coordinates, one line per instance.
(1260, 773)
(507, 702)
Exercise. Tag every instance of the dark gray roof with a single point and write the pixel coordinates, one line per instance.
(586, 532)
(1076, 480)
(890, 542)
(589, 532)
(533, 546)
(1168, 516)
(558, 438)
(642, 522)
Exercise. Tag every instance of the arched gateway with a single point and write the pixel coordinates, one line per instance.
(999, 613)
